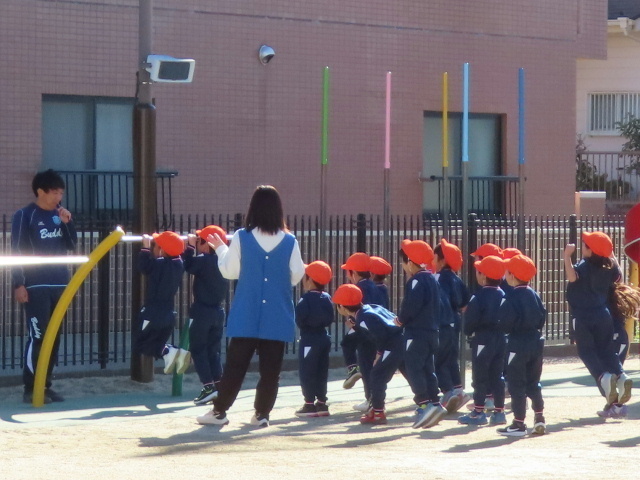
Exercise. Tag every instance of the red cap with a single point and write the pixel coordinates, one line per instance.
(488, 249)
(170, 242)
(319, 272)
(452, 255)
(522, 267)
(358, 262)
(419, 252)
(347, 294)
(210, 230)
(599, 243)
(379, 266)
(508, 253)
(493, 267)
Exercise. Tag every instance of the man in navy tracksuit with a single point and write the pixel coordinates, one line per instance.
(164, 270)
(447, 261)
(41, 228)
(487, 342)
(206, 313)
(522, 317)
(314, 314)
(380, 325)
(420, 316)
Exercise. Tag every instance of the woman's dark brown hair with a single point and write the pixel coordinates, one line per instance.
(265, 211)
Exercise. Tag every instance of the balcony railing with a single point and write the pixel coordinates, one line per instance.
(616, 173)
(485, 195)
(107, 196)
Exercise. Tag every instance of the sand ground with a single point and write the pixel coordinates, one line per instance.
(113, 428)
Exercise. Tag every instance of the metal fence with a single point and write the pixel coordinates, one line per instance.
(616, 173)
(97, 329)
(100, 196)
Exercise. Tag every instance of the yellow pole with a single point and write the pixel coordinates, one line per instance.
(629, 323)
(61, 308)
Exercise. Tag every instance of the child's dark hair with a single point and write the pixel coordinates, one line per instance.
(265, 211)
(624, 300)
(379, 278)
(438, 252)
(353, 308)
(599, 261)
(362, 274)
(492, 282)
(318, 286)
(47, 180)
(203, 241)
(403, 256)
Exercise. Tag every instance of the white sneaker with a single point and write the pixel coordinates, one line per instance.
(183, 361)
(362, 407)
(170, 359)
(213, 418)
(261, 421)
(608, 382)
(624, 385)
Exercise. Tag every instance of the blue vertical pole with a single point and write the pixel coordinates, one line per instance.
(464, 211)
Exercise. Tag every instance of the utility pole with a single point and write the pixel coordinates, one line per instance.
(144, 172)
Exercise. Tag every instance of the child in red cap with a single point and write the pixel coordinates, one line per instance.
(487, 342)
(157, 319)
(447, 262)
(420, 317)
(358, 350)
(522, 317)
(206, 313)
(314, 314)
(378, 324)
(380, 269)
(587, 294)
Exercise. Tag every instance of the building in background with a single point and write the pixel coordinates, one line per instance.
(68, 86)
(607, 92)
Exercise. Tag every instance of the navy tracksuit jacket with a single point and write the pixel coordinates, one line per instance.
(156, 319)
(522, 317)
(420, 317)
(314, 314)
(206, 313)
(487, 344)
(376, 323)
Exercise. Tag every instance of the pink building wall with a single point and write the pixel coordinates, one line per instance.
(241, 123)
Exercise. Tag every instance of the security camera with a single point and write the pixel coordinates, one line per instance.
(265, 54)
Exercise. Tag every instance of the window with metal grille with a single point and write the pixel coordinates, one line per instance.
(605, 109)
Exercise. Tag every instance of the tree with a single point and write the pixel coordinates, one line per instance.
(630, 129)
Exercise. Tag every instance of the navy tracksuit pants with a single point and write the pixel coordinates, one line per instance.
(419, 367)
(38, 310)
(487, 366)
(205, 338)
(621, 341)
(524, 368)
(593, 333)
(383, 370)
(358, 348)
(313, 364)
(446, 359)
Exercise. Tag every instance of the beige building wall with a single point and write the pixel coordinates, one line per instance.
(241, 123)
(619, 72)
